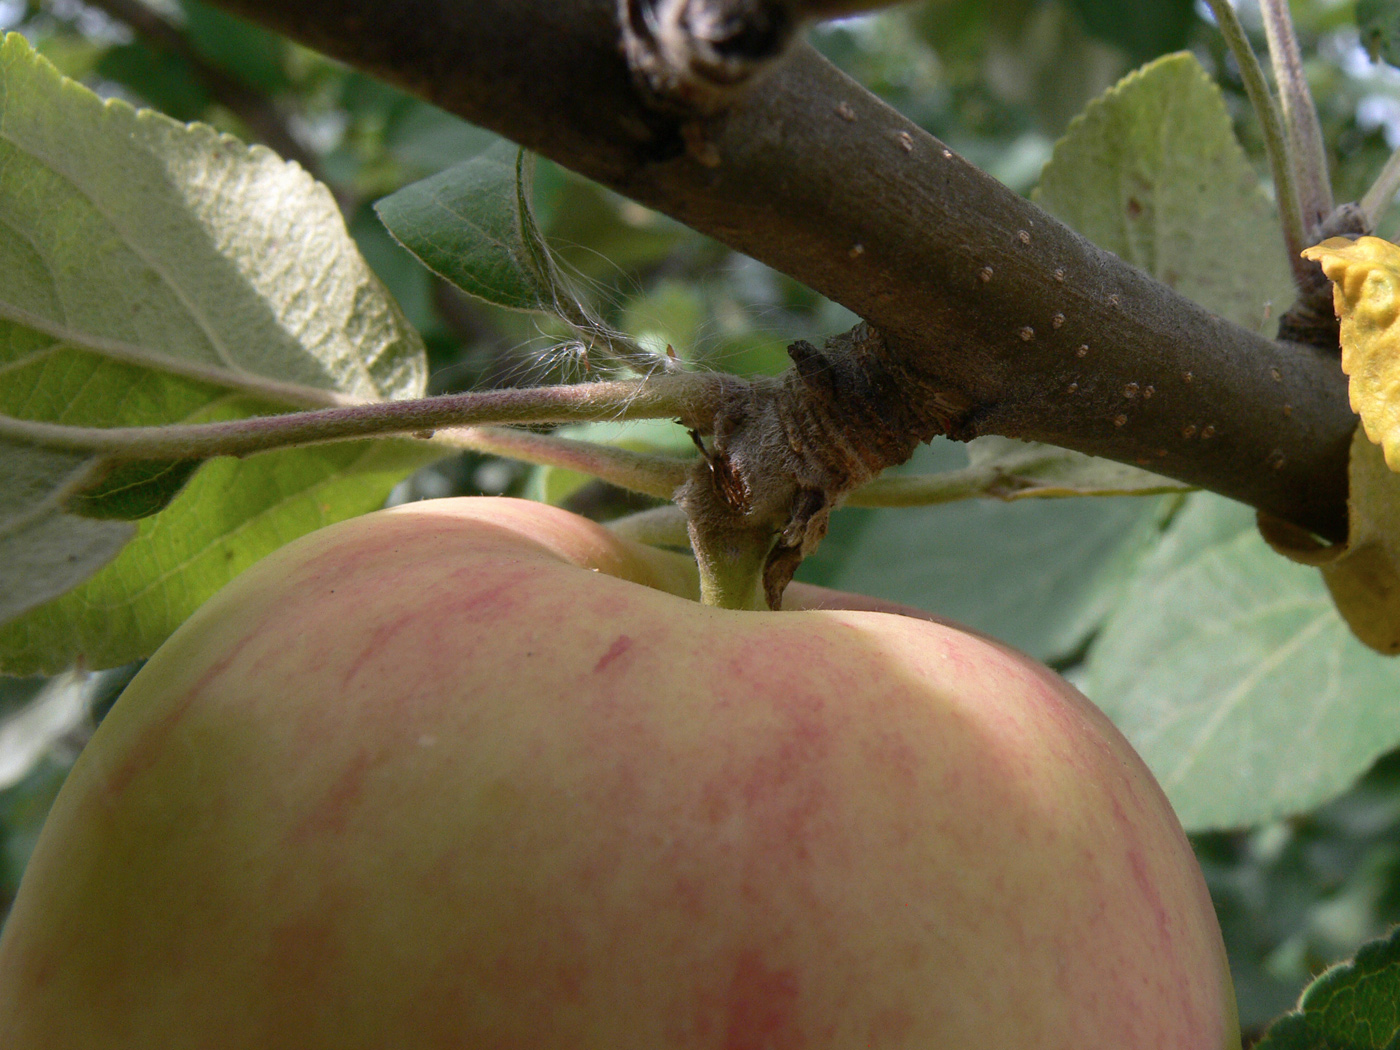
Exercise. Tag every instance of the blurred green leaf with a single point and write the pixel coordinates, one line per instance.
(431, 139)
(1153, 173)
(1013, 470)
(672, 312)
(253, 55)
(751, 354)
(147, 270)
(161, 78)
(1232, 674)
(1144, 28)
(1295, 896)
(1379, 24)
(1354, 1006)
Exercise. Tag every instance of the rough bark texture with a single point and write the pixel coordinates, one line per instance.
(1014, 323)
(786, 450)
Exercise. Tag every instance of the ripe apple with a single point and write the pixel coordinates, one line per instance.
(463, 774)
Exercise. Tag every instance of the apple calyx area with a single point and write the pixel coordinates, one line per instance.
(478, 773)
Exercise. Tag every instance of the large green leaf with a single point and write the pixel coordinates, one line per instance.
(1354, 1006)
(153, 272)
(1152, 172)
(1232, 674)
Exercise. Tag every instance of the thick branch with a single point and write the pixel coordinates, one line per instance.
(1020, 326)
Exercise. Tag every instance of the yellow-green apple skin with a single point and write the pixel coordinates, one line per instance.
(465, 775)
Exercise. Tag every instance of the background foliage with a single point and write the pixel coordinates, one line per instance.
(1153, 604)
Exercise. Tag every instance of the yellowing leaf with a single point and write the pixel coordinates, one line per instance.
(1366, 292)
(1363, 574)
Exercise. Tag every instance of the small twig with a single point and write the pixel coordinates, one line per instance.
(1308, 154)
(690, 398)
(981, 483)
(1275, 140)
(921, 490)
(1382, 192)
(651, 475)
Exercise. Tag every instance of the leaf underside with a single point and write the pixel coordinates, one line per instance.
(154, 272)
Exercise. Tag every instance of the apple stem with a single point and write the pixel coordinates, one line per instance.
(732, 562)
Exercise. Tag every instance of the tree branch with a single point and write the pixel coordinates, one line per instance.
(1017, 325)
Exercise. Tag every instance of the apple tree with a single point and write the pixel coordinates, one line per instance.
(1059, 318)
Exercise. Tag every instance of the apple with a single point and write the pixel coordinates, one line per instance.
(463, 774)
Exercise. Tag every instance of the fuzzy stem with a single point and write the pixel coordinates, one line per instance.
(1308, 154)
(1271, 124)
(689, 398)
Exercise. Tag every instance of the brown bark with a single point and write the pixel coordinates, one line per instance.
(1018, 325)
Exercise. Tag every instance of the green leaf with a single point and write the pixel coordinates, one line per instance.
(428, 139)
(153, 272)
(1153, 173)
(161, 78)
(229, 516)
(1230, 671)
(1040, 574)
(43, 550)
(473, 226)
(1353, 1006)
(132, 491)
(1379, 24)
